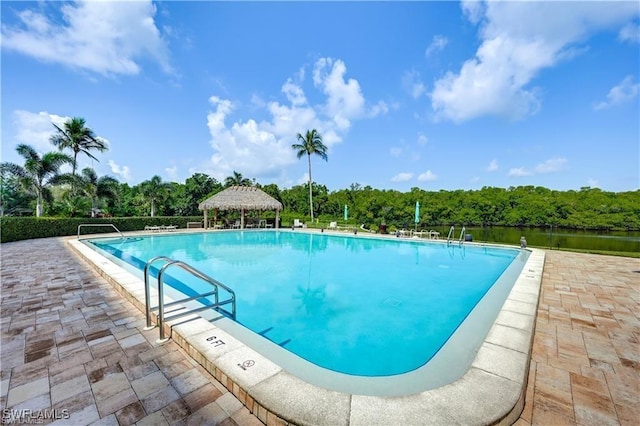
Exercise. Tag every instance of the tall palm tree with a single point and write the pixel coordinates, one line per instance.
(310, 143)
(38, 173)
(76, 136)
(237, 180)
(155, 190)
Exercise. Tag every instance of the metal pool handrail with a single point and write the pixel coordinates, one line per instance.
(99, 224)
(217, 305)
(147, 295)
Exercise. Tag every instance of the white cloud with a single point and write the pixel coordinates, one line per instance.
(519, 172)
(412, 84)
(344, 98)
(552, 165)
(626, 91)
(475, 179)
(402, 177)
(122, 171)
(630, 33)
(593, 183)
(35, 128)
(422, 139)
(97, 36)
(427, 176)
(518, 40)
(493, 166)
(172, 172)
(395, 151)
(438, 43)
(261, 149)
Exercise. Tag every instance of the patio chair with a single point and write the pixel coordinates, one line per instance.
(297, 223)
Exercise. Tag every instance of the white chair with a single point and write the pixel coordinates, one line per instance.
(333, 225)
(297, 223)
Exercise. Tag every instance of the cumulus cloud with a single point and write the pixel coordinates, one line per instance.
(427, 176)
(35, 128)
(422, 139)
(438, 43)
(593, 183)
(262, 148)
(630, 33)
(402, 177)
(412, 84)
(121, 171)
(102, 37)
(519, 172)
(493, 166)
(172, 172)
(552, 165)
(518, 40)
(395, 151)
(625, 91)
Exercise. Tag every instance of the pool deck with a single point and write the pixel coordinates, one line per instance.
(72, 343)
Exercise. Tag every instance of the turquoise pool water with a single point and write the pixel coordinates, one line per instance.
(359, 306)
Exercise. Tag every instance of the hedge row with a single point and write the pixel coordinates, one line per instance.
(25, 228)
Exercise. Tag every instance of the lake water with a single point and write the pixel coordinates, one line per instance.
(554, 238)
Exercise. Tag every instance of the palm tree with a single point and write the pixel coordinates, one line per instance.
(78, 138)
(310, 143)
(96, 187)
(155, 190)
(38, 173)
(237, 180)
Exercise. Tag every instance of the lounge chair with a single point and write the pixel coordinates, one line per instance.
(297, 223)
(152, 228)
(333, 225)
(236, 224)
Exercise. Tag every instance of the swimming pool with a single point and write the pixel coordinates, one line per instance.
(352, 305)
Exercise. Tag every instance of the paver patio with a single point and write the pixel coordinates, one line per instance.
(71, 342)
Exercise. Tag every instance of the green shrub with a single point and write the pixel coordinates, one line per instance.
(25, 228)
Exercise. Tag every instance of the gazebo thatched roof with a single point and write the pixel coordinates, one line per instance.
(241, 198)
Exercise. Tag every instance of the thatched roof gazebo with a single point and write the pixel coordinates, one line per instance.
(241, 198)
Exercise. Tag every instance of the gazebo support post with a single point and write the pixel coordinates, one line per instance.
(277, 218)
(241, 218)
(206, 222)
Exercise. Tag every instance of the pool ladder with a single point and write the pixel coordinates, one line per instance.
(451, 235)
(216, 286)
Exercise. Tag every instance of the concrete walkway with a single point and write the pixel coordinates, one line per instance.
(72, 348)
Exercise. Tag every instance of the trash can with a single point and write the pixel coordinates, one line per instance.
(383, 228)
(468, 237)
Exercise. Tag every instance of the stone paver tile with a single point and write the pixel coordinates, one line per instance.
(160, 399)
(243, 417)
(189, 381)
(210, 414)
(70, 388)
(130, 414)
(202, 396)
(114, 402)
(109, 420)
(149, 384)
(154, 419)
(24, 392)
(229, 403)
(86, 416)
(176, 411)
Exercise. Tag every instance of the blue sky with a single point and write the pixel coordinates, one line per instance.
(436, 95)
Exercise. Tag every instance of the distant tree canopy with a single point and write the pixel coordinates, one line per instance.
(37, 187)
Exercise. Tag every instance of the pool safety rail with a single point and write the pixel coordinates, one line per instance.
(181, 311)
(83, 225)
(451, 235)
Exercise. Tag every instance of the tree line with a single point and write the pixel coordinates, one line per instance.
(37, 187)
